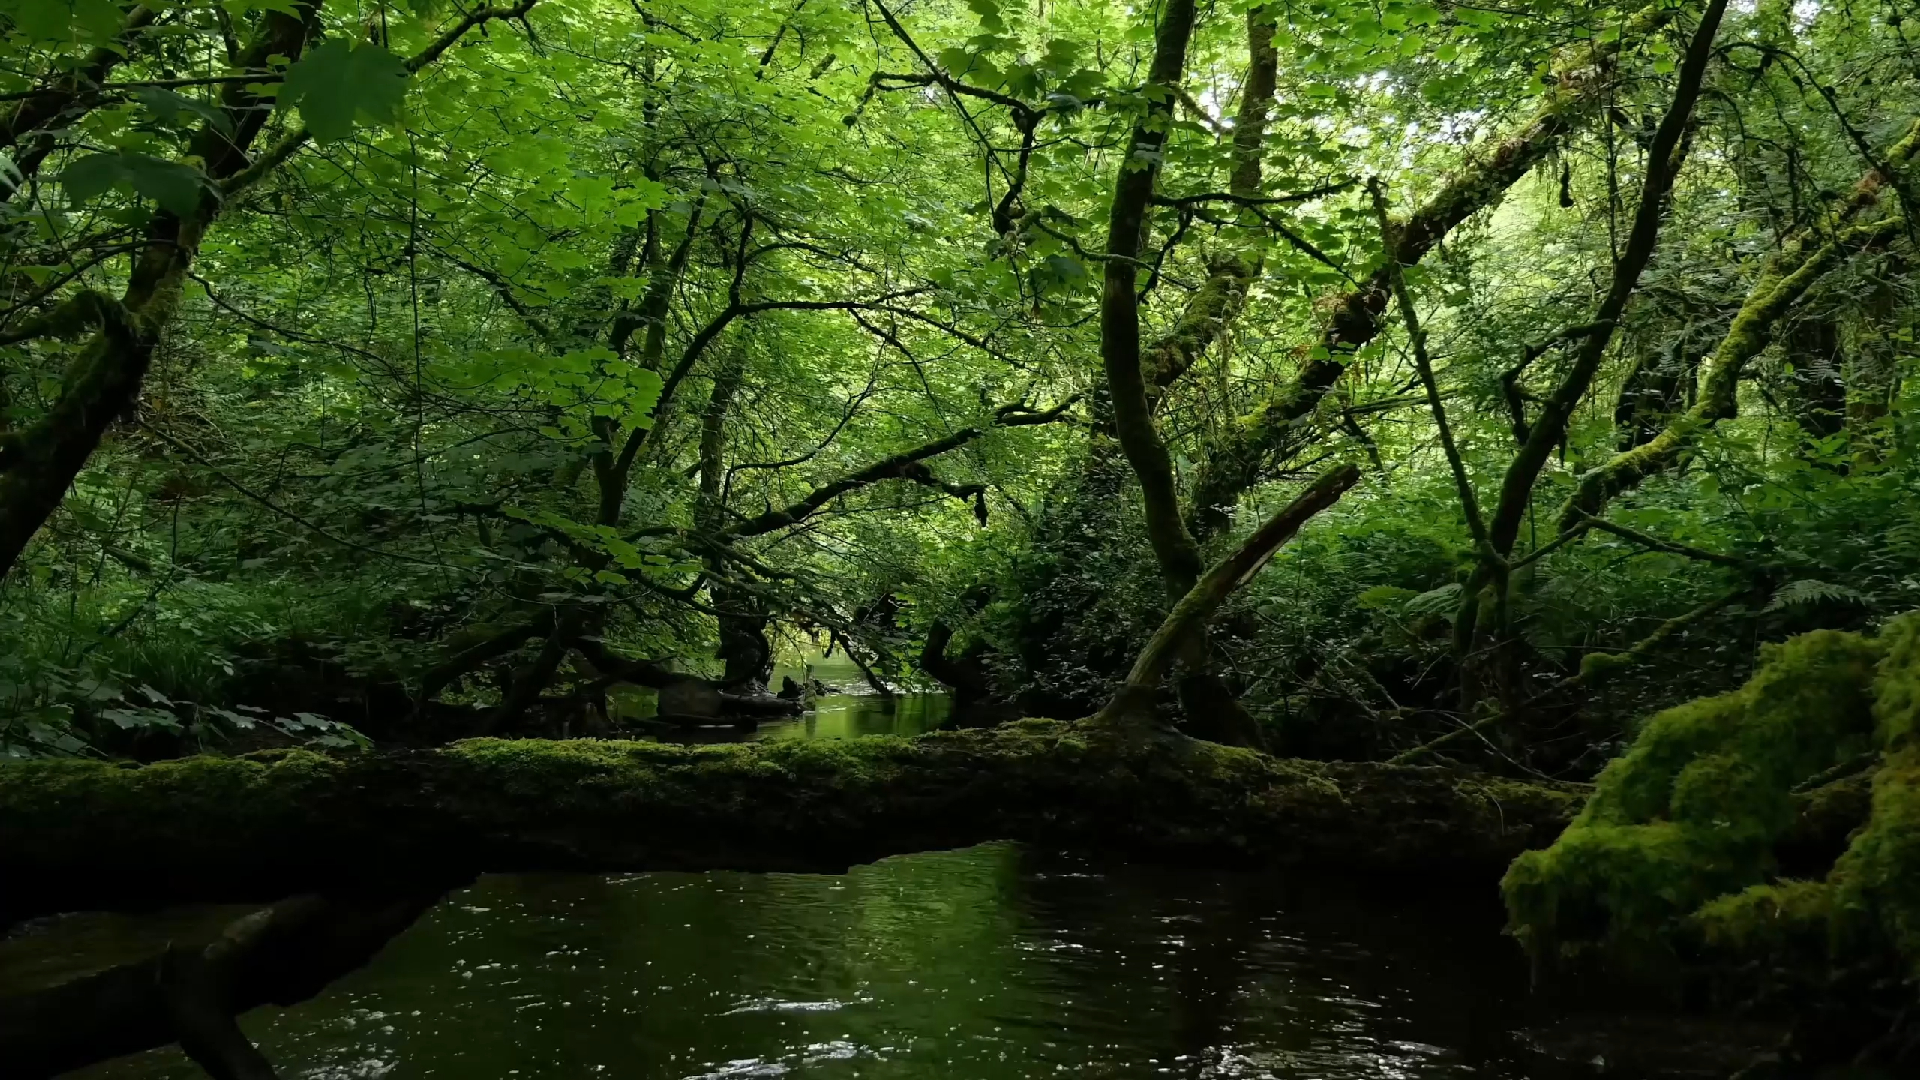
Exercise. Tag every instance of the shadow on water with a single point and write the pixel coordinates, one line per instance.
(987, 963)
(990, 963)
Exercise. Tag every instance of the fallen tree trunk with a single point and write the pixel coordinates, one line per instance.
(280, 955)
(80, 834)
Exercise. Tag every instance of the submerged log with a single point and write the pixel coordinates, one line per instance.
(92, 835)
(190, 994)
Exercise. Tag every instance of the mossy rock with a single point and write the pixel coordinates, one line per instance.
(1676, 851)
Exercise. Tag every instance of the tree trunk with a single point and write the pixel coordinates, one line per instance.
(744, 648)
(80, 834)
(1498, 667)
(191, 993)
(39, 462)
(1184, 628)
(1803, 259)
(1233, 463)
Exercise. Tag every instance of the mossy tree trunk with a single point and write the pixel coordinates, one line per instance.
(1236, 459)
(88, 834)
(1804, 258)
(39, 462)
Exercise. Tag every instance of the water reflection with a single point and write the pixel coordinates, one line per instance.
(985, 963)
(843, 716)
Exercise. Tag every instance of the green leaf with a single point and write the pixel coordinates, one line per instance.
(1435, 601)
(336, 83)
(1813, 591)
(64, 21)
(643, 394)
(1065, 270)
(175, 186)
(240, 8)
(1384, 597)
(92, 176)
(170, 107)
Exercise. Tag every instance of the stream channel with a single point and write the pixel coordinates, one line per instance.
(989, 963)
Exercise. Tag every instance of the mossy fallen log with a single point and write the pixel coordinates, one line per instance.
(90, 834)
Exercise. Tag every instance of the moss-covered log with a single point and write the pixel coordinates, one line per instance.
(1689, 855)
(88, 834)
(1703, 852)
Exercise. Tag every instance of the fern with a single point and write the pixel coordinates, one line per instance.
(1813, 591)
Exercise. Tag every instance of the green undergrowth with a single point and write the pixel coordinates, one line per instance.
(1675, 855)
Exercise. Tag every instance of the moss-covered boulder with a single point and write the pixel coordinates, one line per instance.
(1677, 855)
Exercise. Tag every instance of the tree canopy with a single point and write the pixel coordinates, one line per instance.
(1381, 382)
(431, 369)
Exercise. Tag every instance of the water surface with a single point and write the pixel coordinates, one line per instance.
(992, 962)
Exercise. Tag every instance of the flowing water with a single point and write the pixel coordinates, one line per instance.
(985, 963)
(989, 963)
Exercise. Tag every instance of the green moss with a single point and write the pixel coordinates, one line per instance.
(1676, 843)
(1691, 812)
(1896, 706)
(1783, 921)
(1878, 879)
(1595, 665)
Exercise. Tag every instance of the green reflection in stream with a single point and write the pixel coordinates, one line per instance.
(987, 963)
(843, 716)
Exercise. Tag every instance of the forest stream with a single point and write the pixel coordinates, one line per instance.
(996, 961)
(961, 539)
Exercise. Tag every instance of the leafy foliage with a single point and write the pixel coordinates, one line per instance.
(604, 319)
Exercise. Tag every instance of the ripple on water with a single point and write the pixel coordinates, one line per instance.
(985, 964)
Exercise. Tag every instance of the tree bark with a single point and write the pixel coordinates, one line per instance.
(1233, 463)
(1173, 547)
(1802, 260)
(1229, 275)
(80, 834)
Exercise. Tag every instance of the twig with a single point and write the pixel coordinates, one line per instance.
(1590, 672)
(275, 507)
